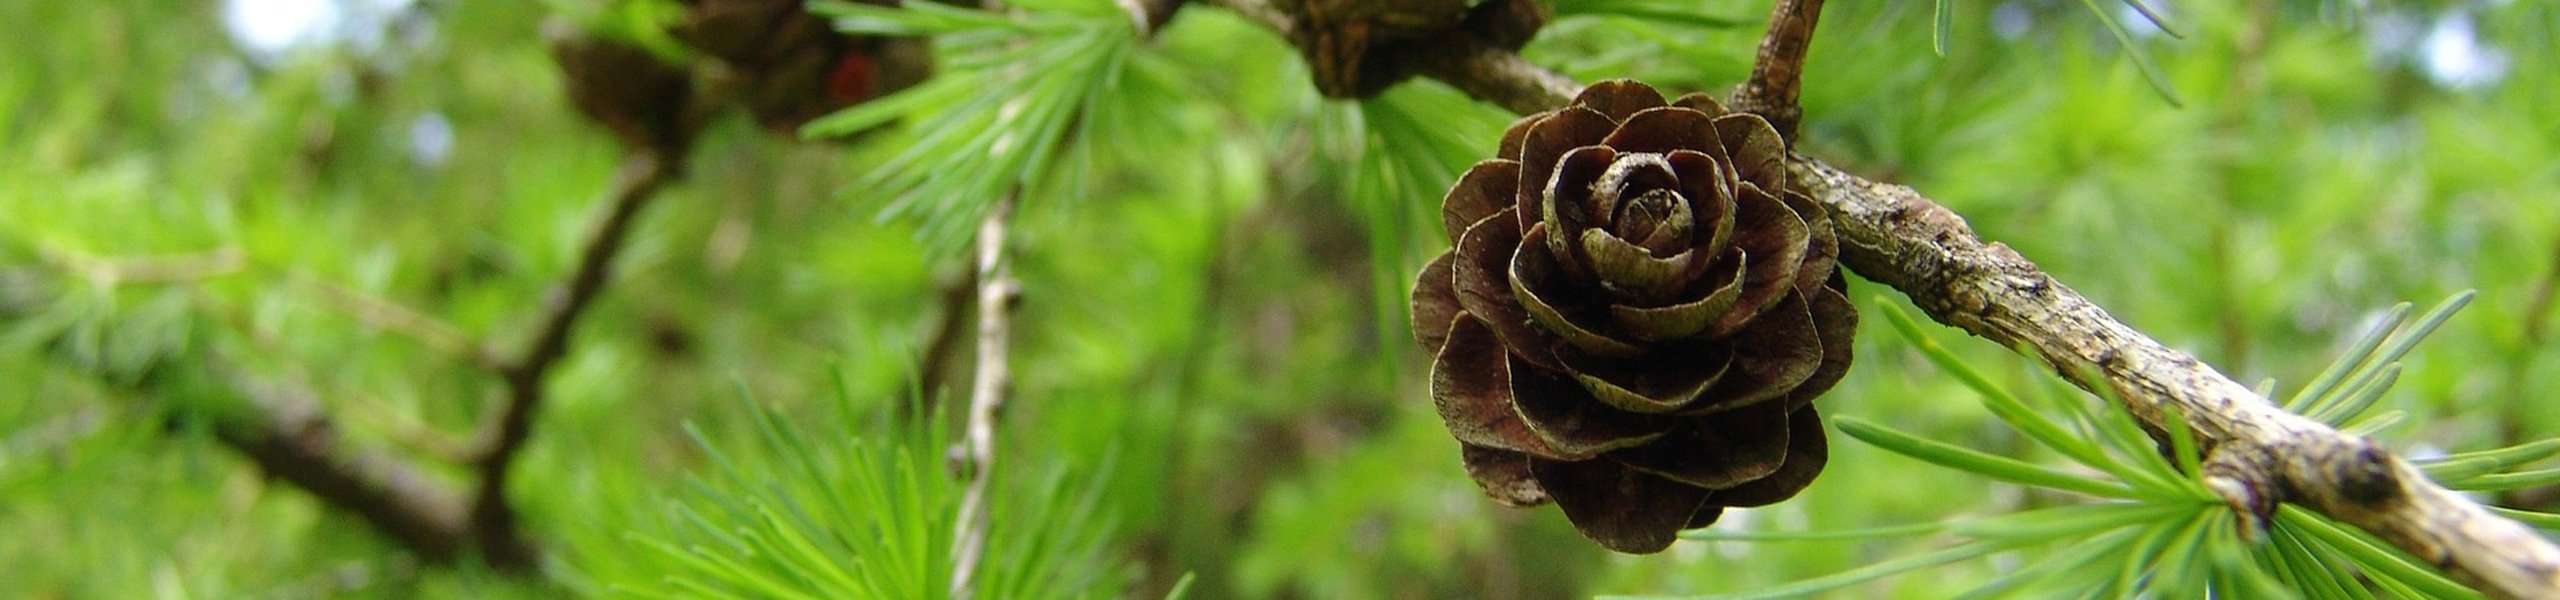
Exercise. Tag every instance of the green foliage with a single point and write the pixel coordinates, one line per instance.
(848, 509)
(1942, 27)
(1656, 11)
(1709, 50)
(993, 124)
(1405, 144)
(1214, 263)
(2150, 73)
(642, 22)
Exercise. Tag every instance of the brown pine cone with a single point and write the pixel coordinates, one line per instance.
(643, 100)
(1358, 48)
(788, 66)
(1637, 316)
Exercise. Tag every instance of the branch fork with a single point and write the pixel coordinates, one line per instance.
(291, 437)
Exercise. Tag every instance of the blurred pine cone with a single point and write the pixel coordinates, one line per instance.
(643, 100)
(1358, 48)
(1637, 316)
(788, 66)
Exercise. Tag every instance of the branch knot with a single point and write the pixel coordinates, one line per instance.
(2366, 478)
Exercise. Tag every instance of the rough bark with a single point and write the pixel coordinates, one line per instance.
(1779, 72)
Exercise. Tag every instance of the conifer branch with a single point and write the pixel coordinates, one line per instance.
(1772, 90)
(2260, 455)
(386, 315)
(1478, 67)
(943, 350)
(286, 431)
(1499, 76)
(290, 437)
(997, 292)
(2537, 311)
(493, 519)
(2263, 456)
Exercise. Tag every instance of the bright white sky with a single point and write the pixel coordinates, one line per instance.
(270, 28)
(2454, 57)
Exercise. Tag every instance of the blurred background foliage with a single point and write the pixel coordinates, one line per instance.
(1213, 377)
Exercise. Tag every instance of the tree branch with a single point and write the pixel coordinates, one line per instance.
(1480, 68)
(1149, 15)
(290, 438)
(492, 518)
(1499, 76)
(2263, 455)
(286, 432)
(391, 316)
(997, 292)
(942, 351)
(1771, 92)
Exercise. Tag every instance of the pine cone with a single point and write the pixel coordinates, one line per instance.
(1358, 48)
(644, 101)
(788, 66)
(1637, 316)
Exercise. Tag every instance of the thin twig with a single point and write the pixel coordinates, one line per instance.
(492, 519)
(1149, 15)
(942, 351)
(1482, 70)
(1260, 11)
(283, 429)
(110, 271)
(2537, 311)
(2247, 73)
(1893, 235)
(997, 292)
(1499, 76)
(391, 316)
(1775, 77)
(2514, 411)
